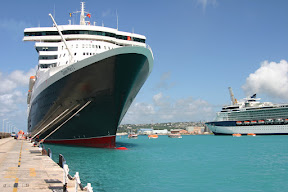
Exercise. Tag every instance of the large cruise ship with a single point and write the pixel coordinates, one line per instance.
(251, 116)
(86, 80)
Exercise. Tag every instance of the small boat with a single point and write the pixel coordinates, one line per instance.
(251, 134)
(253, 122)
(261, 121)
(175, 135)
(236, 135)
(153, 136)
(132, 136)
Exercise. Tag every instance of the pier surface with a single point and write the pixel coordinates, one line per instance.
(24, 168)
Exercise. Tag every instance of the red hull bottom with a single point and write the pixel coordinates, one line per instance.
(99, 142)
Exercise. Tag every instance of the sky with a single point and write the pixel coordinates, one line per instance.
(200, 47)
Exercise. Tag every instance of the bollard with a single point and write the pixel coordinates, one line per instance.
(89, 188)
(65, 179)
(66, 176)
(49, 153)
(62, 160)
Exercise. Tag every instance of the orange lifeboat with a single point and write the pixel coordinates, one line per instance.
(251, 134)
(236, 135)
(246, 122)
(238, 122)
(153, 136)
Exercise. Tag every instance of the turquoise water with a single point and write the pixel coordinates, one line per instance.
(193, 163)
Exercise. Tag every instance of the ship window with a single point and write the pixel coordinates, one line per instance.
(99, 47)
(90, 53)
(47, 57)
(76, 45)
(46, 49)
(74, 53)
(87, 53)
(93, 46)
(83, 53)
(45, 66)
(64, 55)
(72, 32)
(83, 46)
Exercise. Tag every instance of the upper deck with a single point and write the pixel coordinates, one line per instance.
(84, 32)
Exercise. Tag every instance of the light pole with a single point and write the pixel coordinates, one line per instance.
(3, 125)
(8, 125)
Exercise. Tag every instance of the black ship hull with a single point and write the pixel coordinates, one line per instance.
(86, 105)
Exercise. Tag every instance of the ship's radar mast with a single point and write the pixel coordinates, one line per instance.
(82, 15)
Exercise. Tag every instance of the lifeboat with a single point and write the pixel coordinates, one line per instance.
(253, 122)
(32, 82)
(28, 96)
(251, 134)
(279, 121)
(261, 121)
(246, 122)
(269, 121)
(238, 122)
(286, 121)
(152, 136)
(236, 135)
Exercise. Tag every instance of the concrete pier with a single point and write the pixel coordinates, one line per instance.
(24, 168)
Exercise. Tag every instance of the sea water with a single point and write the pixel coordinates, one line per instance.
(194, 163)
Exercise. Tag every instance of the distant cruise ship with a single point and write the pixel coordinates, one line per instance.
(87, 78)
(251, 116)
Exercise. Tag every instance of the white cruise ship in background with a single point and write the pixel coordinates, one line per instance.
(251, 116)
(86, 80)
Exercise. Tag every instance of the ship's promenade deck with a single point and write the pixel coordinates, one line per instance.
(24, 168)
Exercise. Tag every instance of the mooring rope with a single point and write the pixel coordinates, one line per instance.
(88, 102)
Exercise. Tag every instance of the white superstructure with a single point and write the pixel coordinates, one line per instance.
(79, 42)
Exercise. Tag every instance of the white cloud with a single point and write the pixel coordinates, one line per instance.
(164, 82)
(164, 109)
(20, 77)
(270, 79)
(13, 93)
(205, 3)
